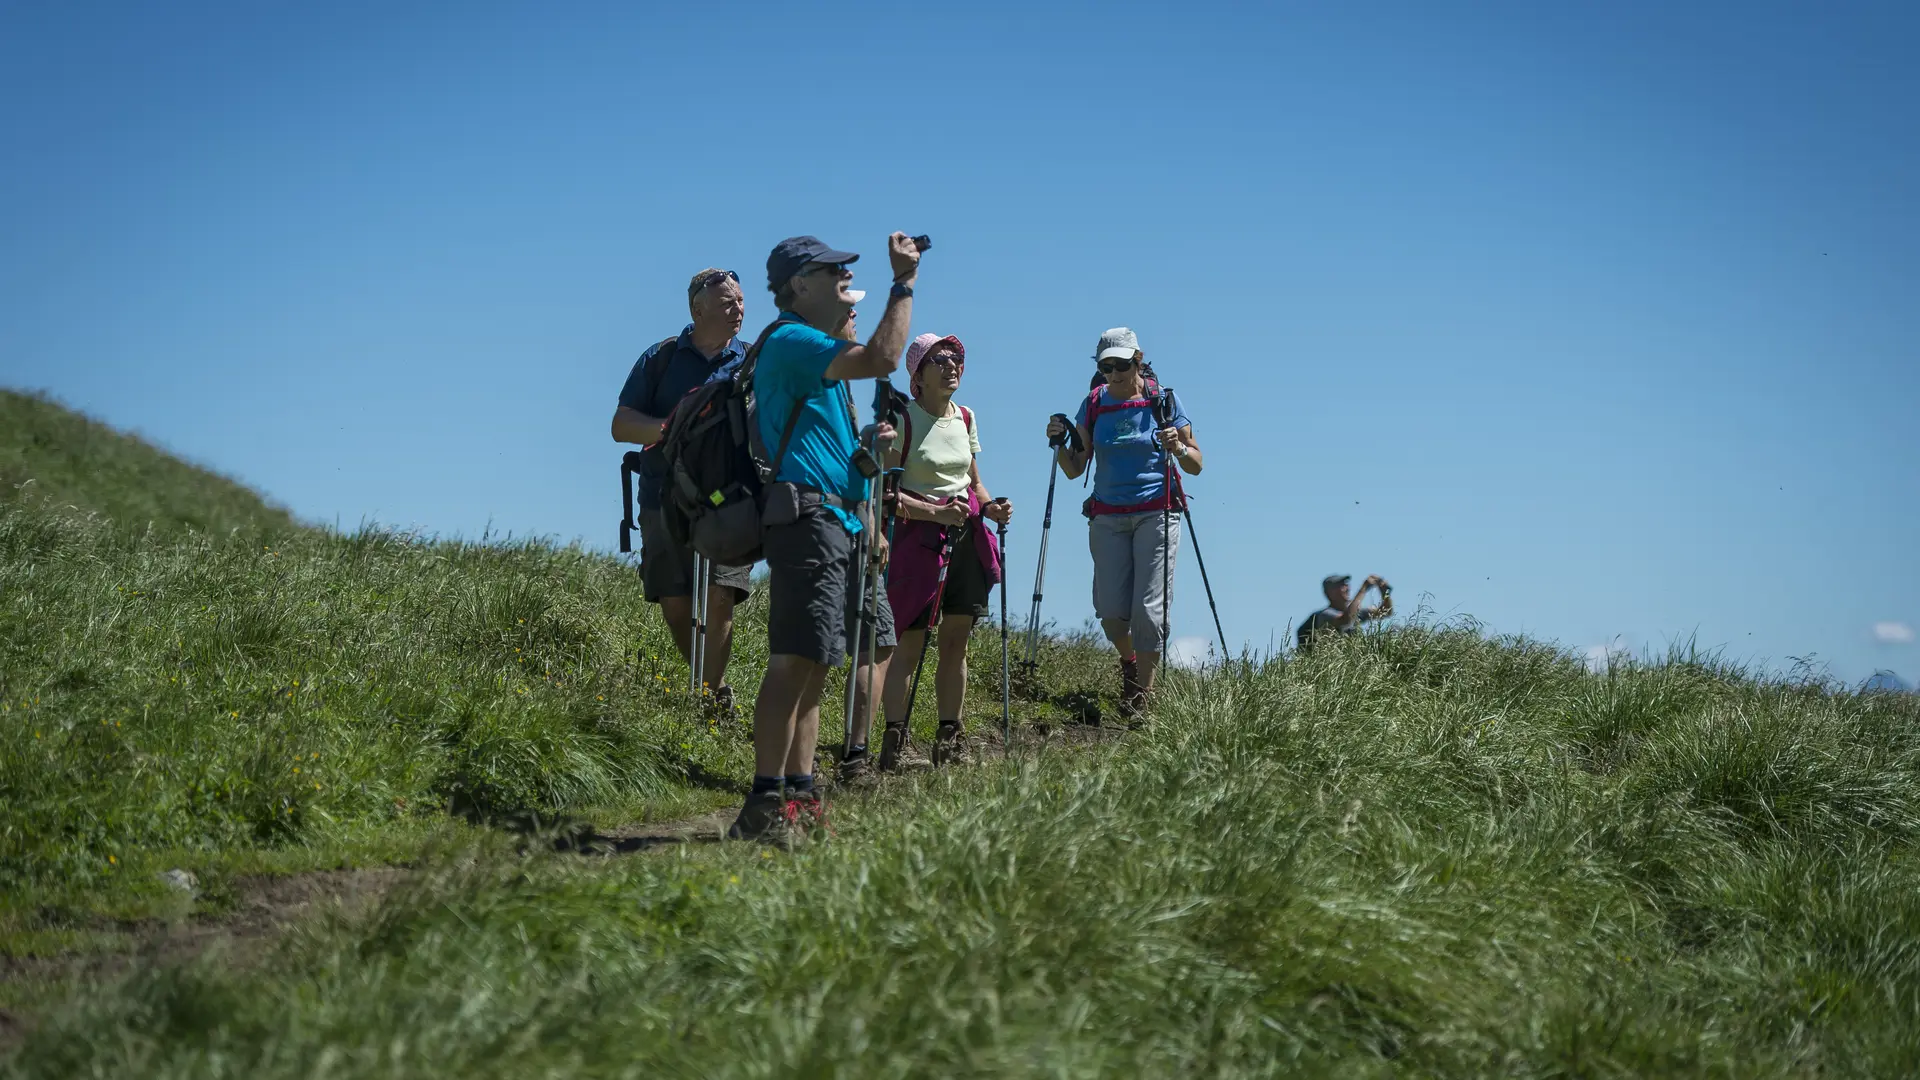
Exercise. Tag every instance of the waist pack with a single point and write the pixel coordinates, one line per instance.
(715, 466)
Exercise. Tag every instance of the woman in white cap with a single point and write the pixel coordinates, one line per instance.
(1133, 432)
(944, 508)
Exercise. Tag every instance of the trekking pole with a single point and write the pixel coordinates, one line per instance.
(1006, 670)
(933, 617)
(1163, 418)
(886, 408)
(859, 626)
(1187, 511)
(1069, 436)
(697, 631)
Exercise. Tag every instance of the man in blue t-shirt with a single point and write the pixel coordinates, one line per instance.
(709, 347)
(816, 505)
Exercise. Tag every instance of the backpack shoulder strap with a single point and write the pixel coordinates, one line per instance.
(656, 368)
(745, 376)
(967, 415)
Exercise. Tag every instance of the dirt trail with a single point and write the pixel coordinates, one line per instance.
(266, 905)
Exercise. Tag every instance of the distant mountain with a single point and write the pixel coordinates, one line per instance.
(1886, 680)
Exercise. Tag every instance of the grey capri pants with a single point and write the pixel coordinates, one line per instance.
(1127, 556)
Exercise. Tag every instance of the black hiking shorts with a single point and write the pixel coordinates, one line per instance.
(812, 594)
(666, 565)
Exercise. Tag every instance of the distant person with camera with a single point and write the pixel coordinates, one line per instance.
(1343, 613)
(1132, 431)
(818, 502)
(706, 348)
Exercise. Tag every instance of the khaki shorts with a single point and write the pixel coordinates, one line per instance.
(666, 566)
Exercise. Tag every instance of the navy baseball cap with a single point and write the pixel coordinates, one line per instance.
(1331, 580)
(792, 255)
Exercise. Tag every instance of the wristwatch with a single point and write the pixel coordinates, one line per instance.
(900, 291)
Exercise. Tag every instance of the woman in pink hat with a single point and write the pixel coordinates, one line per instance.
(944, 508)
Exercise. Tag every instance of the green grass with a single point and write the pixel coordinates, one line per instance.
(1417, 853)
(51, 455)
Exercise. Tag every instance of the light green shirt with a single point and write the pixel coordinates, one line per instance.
(939, 461)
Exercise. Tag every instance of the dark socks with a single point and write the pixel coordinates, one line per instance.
(800, 785)
(857, 751)
(766, 785)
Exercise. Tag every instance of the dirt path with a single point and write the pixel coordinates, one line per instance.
(266, 905)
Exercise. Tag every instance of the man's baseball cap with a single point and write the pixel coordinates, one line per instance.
(1118, 341)
(792, 255)
(1331, 580)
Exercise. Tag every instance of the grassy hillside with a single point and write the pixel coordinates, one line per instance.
(58, 456)
(1417, 853)
(171, 697)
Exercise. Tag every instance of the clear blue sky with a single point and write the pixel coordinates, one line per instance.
(1595, 326)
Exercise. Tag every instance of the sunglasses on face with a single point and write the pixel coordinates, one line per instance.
(946, 359)
(1108, 367)
(814, 268)
(710, 280)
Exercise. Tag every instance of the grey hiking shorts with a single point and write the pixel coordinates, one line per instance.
(1127, 558)
(812, 595)
(666, 566)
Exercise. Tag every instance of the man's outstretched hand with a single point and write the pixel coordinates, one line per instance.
(904, 257)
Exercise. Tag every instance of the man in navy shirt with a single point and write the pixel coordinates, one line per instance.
(709, 346)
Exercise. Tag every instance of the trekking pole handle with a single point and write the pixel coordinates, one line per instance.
(1069, 435)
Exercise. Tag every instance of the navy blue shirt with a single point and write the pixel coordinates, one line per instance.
(656, 391)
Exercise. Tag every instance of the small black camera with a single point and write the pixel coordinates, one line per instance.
(922, 242)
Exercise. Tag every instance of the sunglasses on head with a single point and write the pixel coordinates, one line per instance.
(1108, 367)
(708, 280)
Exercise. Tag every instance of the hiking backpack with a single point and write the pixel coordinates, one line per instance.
(716, 464)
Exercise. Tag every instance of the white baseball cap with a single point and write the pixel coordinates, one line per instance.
(1118, 341)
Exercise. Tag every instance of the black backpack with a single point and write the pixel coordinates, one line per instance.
(716, 464)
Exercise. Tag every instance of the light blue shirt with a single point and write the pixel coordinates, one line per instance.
(1130, 468)
(792, 367)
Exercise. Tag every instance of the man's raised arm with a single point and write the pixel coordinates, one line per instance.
(880, 356)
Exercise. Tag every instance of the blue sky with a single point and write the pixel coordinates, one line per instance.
(1595, 326)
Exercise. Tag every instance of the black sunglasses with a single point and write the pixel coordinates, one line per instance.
(1108, 367)
(947, 358)
(707, 280)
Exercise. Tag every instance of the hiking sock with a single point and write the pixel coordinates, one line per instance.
(798, 785)
(766, 785)
(857, 751)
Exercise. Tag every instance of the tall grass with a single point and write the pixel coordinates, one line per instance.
(1415, 853)
(1421, 853)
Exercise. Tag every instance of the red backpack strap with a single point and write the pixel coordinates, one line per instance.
(967, 415)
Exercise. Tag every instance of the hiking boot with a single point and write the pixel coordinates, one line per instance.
(946, 745)
(720, 704)
(855, 769)
(805, 814)
(1133, 696)
(762, 818)
(892, 743)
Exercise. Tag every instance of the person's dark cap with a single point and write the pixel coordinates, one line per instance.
(793, 254)
(1331, 580)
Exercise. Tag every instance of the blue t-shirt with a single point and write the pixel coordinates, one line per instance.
(793, 367)
(1129, 466)
(655, 392)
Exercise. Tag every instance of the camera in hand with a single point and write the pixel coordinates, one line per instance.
(922, 242)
